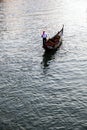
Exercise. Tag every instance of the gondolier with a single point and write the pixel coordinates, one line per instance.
(44, 36)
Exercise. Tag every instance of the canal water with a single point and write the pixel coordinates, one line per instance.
(38, 90)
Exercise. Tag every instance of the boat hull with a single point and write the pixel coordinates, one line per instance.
(50, 48)
(55, 42)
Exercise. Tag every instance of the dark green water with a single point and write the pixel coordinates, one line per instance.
(41, 91)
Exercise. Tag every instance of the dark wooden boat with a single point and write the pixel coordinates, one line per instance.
(55, 42)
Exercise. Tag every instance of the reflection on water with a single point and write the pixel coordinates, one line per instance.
(47, 57)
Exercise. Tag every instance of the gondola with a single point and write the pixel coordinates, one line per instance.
(55, 42)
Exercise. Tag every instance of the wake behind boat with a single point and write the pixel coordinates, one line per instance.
(55, 42)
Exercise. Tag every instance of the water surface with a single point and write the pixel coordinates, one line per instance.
(41, 91)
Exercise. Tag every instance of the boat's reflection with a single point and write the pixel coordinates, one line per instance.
(48, 56)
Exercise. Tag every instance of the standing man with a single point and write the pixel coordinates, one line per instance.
(44, 36)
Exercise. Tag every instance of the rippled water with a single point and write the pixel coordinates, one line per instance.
(38, 90)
